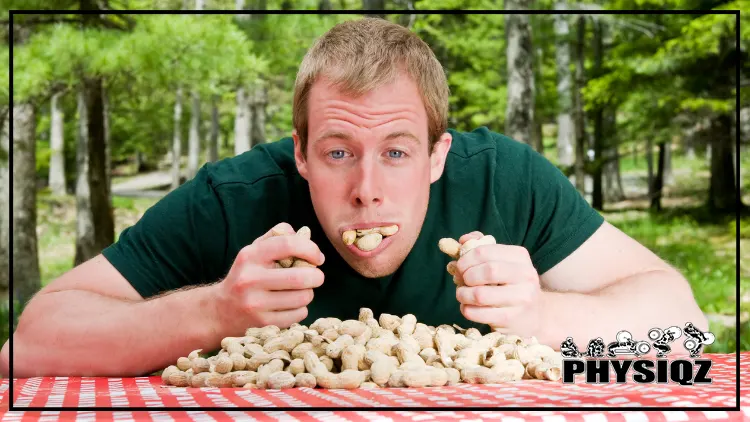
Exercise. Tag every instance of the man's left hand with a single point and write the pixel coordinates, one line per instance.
(501, 288)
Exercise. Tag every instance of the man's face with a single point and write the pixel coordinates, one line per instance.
(368, 165)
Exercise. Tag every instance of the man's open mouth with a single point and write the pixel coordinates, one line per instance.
(368, 238)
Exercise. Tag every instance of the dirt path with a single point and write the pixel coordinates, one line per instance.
(147, 185)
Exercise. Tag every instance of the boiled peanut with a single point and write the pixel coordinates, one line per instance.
(369, 242)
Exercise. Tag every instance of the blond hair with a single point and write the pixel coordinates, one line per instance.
(360, 55)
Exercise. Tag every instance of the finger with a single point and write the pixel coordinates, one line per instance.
(458, 279)
(281, 228)
(498, 272)
(276, 248)
(294, 278)
(496, 317)
(511, 295)
(282, 300)
(473, 235)
(284, 319)
(497, 252)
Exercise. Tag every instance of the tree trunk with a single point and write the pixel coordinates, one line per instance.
(659, 180)
(242, 123)
(213, 143)
(374, 5)
(690, 152)
(650, 165)
(612, 179)
(537, 138)
(194, 144)
(84, 218)
(723, 189)
(668, 176)
(324, 5)
(4, 206)
(177, 140)
(537, 135)
(565, 128)
(101, 203)
(597, 196)
(138, 161)
(107, 144)
(26, 279)
(519, 112)
(259, 114)
(57, 147)
(96, 226)
(580, 129)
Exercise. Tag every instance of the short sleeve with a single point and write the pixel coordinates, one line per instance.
(559, 220)
(178, 242)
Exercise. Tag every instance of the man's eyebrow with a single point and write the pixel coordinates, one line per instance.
(346, 137)
(403, 134)
(334, 134)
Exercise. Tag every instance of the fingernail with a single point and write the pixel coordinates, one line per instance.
(322, 257)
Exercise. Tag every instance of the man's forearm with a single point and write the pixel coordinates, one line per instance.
(657, 299)
(95, 335)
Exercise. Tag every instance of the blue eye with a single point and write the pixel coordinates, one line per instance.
(337, 154)
(399, 153)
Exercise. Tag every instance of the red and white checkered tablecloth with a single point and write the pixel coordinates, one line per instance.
(424, 403)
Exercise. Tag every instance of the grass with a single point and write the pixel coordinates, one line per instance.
(702, 247)
(705, 254)
(56, 228)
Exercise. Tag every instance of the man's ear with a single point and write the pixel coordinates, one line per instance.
(298, 156)
(437, 159)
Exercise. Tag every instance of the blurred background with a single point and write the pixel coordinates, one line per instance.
(112, 111)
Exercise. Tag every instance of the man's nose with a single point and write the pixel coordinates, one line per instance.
(368, 188)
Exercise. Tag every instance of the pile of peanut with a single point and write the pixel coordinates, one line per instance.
(391, 351)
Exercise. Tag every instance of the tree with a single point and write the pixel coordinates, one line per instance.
(210, 56)
(519, 115)
(565, 128)
(26, 279)
(57, 145)
(374, 5)
(580, 125)
(25, 274)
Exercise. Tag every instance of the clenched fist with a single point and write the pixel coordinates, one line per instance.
(256, 292)
(500, 287)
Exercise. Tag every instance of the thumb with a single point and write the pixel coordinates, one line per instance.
(468, 236)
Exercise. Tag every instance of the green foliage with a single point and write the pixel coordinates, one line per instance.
(475, 63)
(4, 75)
(200, 51)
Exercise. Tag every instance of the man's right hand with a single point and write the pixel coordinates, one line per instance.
(256, 293)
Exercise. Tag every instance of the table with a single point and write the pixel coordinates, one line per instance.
(417, 404)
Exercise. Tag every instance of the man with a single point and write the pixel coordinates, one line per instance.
(370, 148)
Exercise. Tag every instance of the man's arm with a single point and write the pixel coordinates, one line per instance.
(114, 331)
(612, 283)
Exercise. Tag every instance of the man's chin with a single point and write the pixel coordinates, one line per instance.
(373, 269)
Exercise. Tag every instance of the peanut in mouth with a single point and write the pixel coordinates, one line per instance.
(368, 239)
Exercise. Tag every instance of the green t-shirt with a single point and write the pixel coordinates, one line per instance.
(491, 183)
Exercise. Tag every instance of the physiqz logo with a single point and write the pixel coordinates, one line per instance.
(595, 365)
